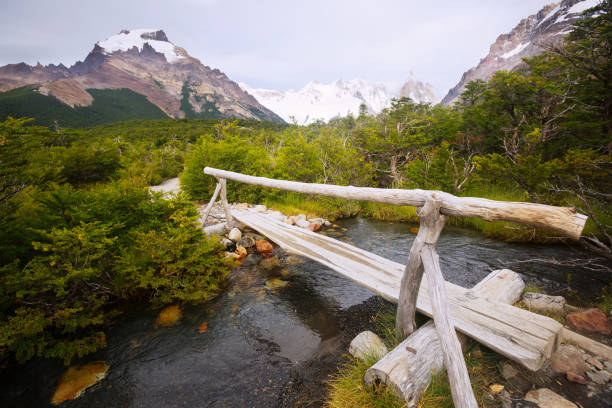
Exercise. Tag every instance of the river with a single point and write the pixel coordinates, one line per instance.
(261, 340)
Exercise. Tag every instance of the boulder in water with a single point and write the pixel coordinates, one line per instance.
(169, 316)
(77, 379)
(264, 247)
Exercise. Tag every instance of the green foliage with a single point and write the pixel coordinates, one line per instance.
(231, 153)
(109, 105)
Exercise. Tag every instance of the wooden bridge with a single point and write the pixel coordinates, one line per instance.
(520, 335)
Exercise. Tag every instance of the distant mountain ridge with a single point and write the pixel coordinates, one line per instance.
(547, 26)
(317, 100)
(147, 63)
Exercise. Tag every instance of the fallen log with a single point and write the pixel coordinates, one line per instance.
(562, 219)
(408, 368)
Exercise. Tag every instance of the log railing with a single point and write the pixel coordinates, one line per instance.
(423, 259)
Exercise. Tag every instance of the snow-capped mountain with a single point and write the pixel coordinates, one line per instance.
(547, 26)
(339, 98)
(146, 62)
(418, 91)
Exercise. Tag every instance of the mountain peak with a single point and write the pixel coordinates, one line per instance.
(528, 38)
(129, 39)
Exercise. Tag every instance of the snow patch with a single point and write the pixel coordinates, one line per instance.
(582, 6)
(126, 40)
(549, 15)
(516, 50)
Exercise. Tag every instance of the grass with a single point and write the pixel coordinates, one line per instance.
(532, 287)
(313, 206)
(348, 390)
(606, 299)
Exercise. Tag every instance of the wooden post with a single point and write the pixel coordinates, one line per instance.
(461, 388)
(228, 213)
(431, 226)
(211, 202)
(408, 368)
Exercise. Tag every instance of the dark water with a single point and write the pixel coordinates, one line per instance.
(257, 336)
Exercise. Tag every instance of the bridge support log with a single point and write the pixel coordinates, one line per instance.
(431, 225)
(461, 388)
(408, 368)
(228, 213)
(424, 259)
(212, 202)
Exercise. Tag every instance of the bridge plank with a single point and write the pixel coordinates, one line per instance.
(520, 335)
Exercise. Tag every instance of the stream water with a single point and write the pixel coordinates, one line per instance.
(258, 336)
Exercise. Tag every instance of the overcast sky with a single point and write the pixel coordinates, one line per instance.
(278, 44)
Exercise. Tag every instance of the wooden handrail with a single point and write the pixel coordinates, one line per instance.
(561, 219)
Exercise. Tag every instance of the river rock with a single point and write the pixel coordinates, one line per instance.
(241, 206)
(539, 302)
(367, 343)
(299, 217)
(595, 363)
(568, 358)
(314, 227)
(302, 223)
(289, 220)
(264, 247)
(597, 377)
(269, 263)
(260, 208)
(169, 316)
(292, 260)
(327, 223)
(591, 321)
(246, 241)
(227, 243)
(546, 398)
(77, 379)
(235, 234)
(277, 215)
(317, 220)
(231, 255)
(241, 252)
(276, 283)
(508, 371)
(573, 377)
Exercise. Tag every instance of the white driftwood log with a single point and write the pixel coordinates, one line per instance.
(431, 226)
(216, 229)
(460, 385)
(228, 212)
(408, 368)
(518, 334)
(211, 202)
(562, 219)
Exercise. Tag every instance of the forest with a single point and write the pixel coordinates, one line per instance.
(82, 239)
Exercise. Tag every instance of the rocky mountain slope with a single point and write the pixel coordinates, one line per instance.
(325, 101)
(146, 62)
(528, 38)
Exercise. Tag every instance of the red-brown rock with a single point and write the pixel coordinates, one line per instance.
(591, 321)
(264, 247)
(573, 377)
(314, 226)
